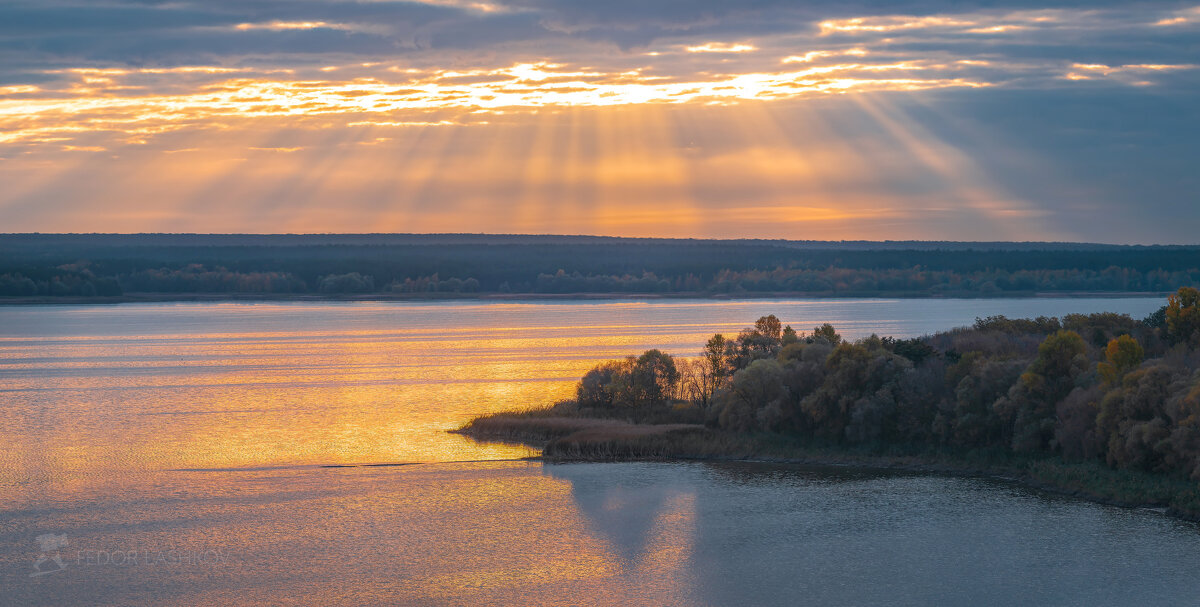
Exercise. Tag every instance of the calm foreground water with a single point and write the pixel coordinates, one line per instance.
(198, 454)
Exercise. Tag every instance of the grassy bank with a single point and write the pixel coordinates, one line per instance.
(567, 434)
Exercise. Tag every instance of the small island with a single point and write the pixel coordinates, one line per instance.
(1102, 406)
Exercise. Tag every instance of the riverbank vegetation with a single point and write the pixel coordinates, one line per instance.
(1101, 405)
(411, 266)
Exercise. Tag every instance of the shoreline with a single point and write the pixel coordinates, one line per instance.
(511, 297)
(574, 439)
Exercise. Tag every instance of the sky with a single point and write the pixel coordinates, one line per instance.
(923, 119)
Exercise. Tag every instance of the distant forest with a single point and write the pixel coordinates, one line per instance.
(414, 265)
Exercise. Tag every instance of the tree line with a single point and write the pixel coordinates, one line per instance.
(32, 264)
(197, 278)
(1102, 387)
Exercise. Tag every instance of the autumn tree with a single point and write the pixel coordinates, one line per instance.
(769, 326)
(789, 336)
(598, 388)
(654, 378)
(1183, 316)
(1133, 420)
(1184, 445)
(1122, 355)
(1030, 404)
(695, 383)
(763, 340)
(715, 359)
(750, 390)
(649, 379)
(827, 333)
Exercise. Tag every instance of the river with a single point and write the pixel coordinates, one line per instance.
(297, 453)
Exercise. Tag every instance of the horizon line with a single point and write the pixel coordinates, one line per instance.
(597, 236)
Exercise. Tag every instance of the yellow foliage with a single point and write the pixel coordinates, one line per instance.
(1122, 354)
(1183, 315)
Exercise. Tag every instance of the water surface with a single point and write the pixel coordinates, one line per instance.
(202, 436)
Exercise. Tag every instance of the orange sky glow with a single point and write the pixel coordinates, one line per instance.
(820, 133)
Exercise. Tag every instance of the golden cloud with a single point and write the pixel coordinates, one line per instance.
(99, 101)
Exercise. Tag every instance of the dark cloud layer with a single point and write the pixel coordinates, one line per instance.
(51, 32)
(1067, 119)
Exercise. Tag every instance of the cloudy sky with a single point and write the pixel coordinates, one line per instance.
(696, 118)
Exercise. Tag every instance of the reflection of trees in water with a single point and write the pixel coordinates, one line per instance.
(629, 511)
(644, 509)
(766, 534)
(735, 530)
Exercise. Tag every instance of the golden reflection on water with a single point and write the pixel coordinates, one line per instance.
(213, 434)
(102, 406)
